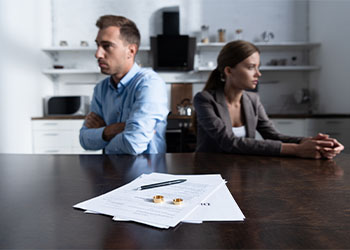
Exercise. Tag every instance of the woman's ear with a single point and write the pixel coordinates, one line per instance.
(227, 70)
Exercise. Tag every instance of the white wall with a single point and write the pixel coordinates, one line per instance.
(330, 24)
(80, 17)
(74, 20)
(24, 26)
(287, 19)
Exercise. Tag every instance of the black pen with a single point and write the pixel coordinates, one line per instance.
(161, 184)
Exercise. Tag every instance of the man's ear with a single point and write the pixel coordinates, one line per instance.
(132, 50)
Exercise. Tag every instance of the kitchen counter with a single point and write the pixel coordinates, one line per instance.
(61, 117)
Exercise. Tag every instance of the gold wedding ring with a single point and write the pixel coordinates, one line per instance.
(158, 199)
(178, 201)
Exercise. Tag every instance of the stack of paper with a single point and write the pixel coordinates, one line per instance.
(205, 198)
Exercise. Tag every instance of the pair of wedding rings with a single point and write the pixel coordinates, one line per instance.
(160, 199)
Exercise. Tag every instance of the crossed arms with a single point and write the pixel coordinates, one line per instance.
(93, 120)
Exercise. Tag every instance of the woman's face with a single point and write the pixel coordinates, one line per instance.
(244, 75)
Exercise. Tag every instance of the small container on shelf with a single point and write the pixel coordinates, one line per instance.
(63, 43)
(222, 35)
(205, 34)
(239, 34)
(84, 44)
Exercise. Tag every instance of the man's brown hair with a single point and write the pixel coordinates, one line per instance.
(128, 29)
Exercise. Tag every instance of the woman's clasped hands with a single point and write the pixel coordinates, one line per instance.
(319, 146)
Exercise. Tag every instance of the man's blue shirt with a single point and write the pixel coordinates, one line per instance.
(140, 100)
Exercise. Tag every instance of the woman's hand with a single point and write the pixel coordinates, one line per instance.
(328, 151)
(319, 136)
(320, 146)
(312, 148)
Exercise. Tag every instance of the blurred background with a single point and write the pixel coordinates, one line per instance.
(38, 35)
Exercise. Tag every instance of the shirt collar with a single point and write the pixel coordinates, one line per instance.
(126, 79)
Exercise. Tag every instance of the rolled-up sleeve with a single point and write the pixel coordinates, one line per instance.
(91, 138)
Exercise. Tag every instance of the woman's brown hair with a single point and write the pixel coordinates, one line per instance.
(230, 55)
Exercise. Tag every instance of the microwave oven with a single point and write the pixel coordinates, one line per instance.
(66, 105)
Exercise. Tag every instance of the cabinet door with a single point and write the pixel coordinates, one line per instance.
(58, 137)
(292, 127)
(50, 138)
(56, 124)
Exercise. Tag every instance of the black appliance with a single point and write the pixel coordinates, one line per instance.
(171, 23)
(66, 105)
(172, 51)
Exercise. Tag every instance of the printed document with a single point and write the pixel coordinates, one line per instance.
(129, 203)
(220, 206)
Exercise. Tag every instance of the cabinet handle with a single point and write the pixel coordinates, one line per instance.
(52, 151)
(284, 123)
(50, 124)
(334, 122)
(50, 134)
(173, 131)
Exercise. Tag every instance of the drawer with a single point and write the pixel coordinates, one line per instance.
(57, 124)
(53, 139)
(63, 150)
(330, 125)
(75, 139)
(52, 150)
(80, 150)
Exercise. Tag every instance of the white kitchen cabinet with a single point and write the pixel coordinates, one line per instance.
(288, 126)
(292, 127)
(59, 136)
(337, 128)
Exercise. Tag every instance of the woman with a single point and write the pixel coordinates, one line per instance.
(228, 116)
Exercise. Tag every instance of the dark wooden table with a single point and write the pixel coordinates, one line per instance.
(288, 203)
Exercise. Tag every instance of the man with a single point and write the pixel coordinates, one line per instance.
(129, 108)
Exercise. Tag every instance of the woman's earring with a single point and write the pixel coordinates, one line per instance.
(222, 78)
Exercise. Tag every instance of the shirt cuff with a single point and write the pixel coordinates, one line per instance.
(93, 138)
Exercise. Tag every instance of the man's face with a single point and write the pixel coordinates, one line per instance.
(115, 57)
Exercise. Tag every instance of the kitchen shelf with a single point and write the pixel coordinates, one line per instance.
(290, 68)
(56, 72)
(68, 49)
(80, 49)
(70, 71)
(169, 77)
(270, 45)
(262, 45)
(199, 75)
(274, 68)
